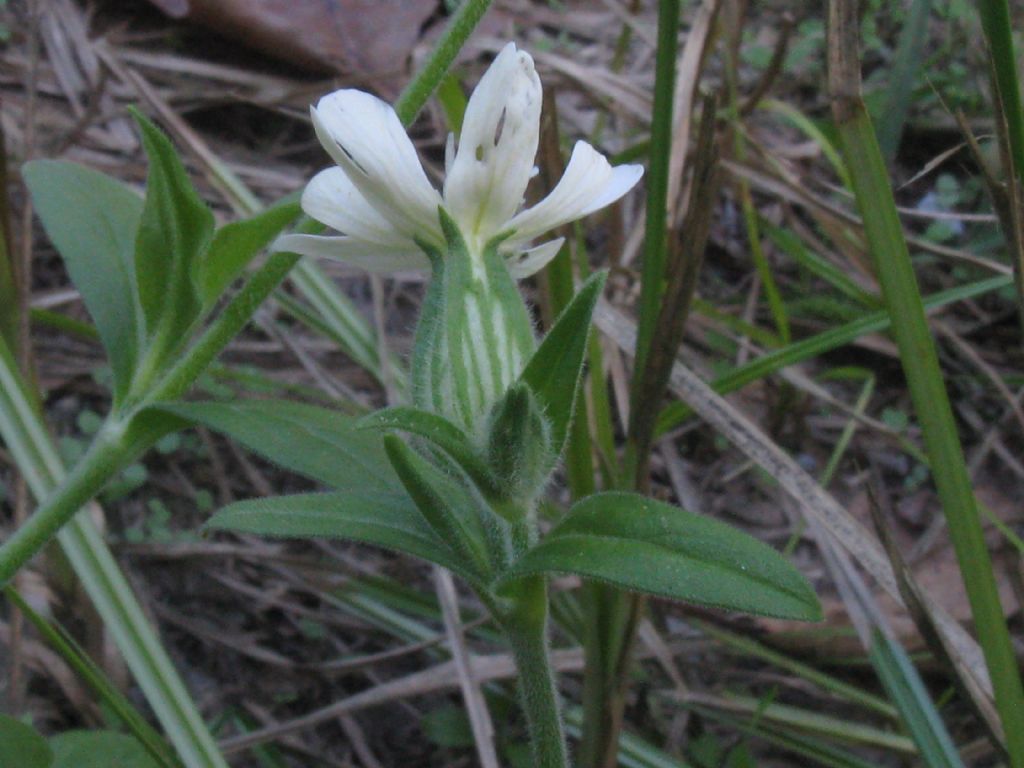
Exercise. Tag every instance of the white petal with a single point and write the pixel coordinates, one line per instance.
(500, 132)
(373, 257)
(525, 263)
(332, 199)
(449, 154)
(589, 183)
(365, 137)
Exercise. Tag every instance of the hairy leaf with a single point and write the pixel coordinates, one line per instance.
(316, 442)
(174, 232)
(446, 506)
(92, 220)
(98, 749)
(21, 746)
(553, 373)
(388, 520)
(649, 546)
(234, 245)
(439, 432)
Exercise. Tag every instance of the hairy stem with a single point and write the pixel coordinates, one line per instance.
(107, 454)
(526, 627)
(110, 450)
(429, 77)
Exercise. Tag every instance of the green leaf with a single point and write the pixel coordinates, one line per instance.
(448, 726)
(907, 692)
(116, 703)
(234, 246)
(148, 426)
(649, 546)
(553, 373)
(92, 220)
(388, 520)
(21, 746)
(446, 506)
(174, 231)
(98, 749)
(316, 442)
(439, 432)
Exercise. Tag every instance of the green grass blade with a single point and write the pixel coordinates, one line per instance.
(37, 459)
(895, 271)
(998, 28)
(634, 752)
(58, 638)
(809, 747)
(789, 243)
(997, 25)
(342, 322)
(910, 54)
(676, 413)
(805, 721)
(827, 682)
(656, 223)
(905, 688)
(608, 610)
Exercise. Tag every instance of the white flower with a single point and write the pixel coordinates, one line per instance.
(381, 201)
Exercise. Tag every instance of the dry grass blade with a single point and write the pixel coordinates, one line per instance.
(476, 705)
(441, 677)
(685, 257)
(915, 601)
(814, 500)
(688, 71)
(820, 206)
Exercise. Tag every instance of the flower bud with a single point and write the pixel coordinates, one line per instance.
(519, 444)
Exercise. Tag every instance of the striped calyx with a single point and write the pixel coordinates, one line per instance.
(474, 335)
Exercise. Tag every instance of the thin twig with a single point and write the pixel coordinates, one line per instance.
(476, 705)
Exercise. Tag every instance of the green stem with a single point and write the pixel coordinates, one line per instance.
(110, 450)
(655, 225)
(998, 28)
(415, 95)
(608, 611)
(225, 327)
(107, 454)
(1009, 115)
(526, 627)
(918, 356)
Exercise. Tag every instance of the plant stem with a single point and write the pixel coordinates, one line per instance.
(106, 455)
(610, 613)
(109, 450)
(921, 366)
(998, 28)
(415, 95)
(526, 627)
(225, 327)
(655, 225)
(1009, 119)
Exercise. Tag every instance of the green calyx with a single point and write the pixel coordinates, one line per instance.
(474, 335)
(519, 444)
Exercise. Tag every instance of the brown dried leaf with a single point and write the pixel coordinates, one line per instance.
(937, 574)
(372, 38)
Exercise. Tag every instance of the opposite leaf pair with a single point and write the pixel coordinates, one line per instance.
(148, 269)
(447, 503)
